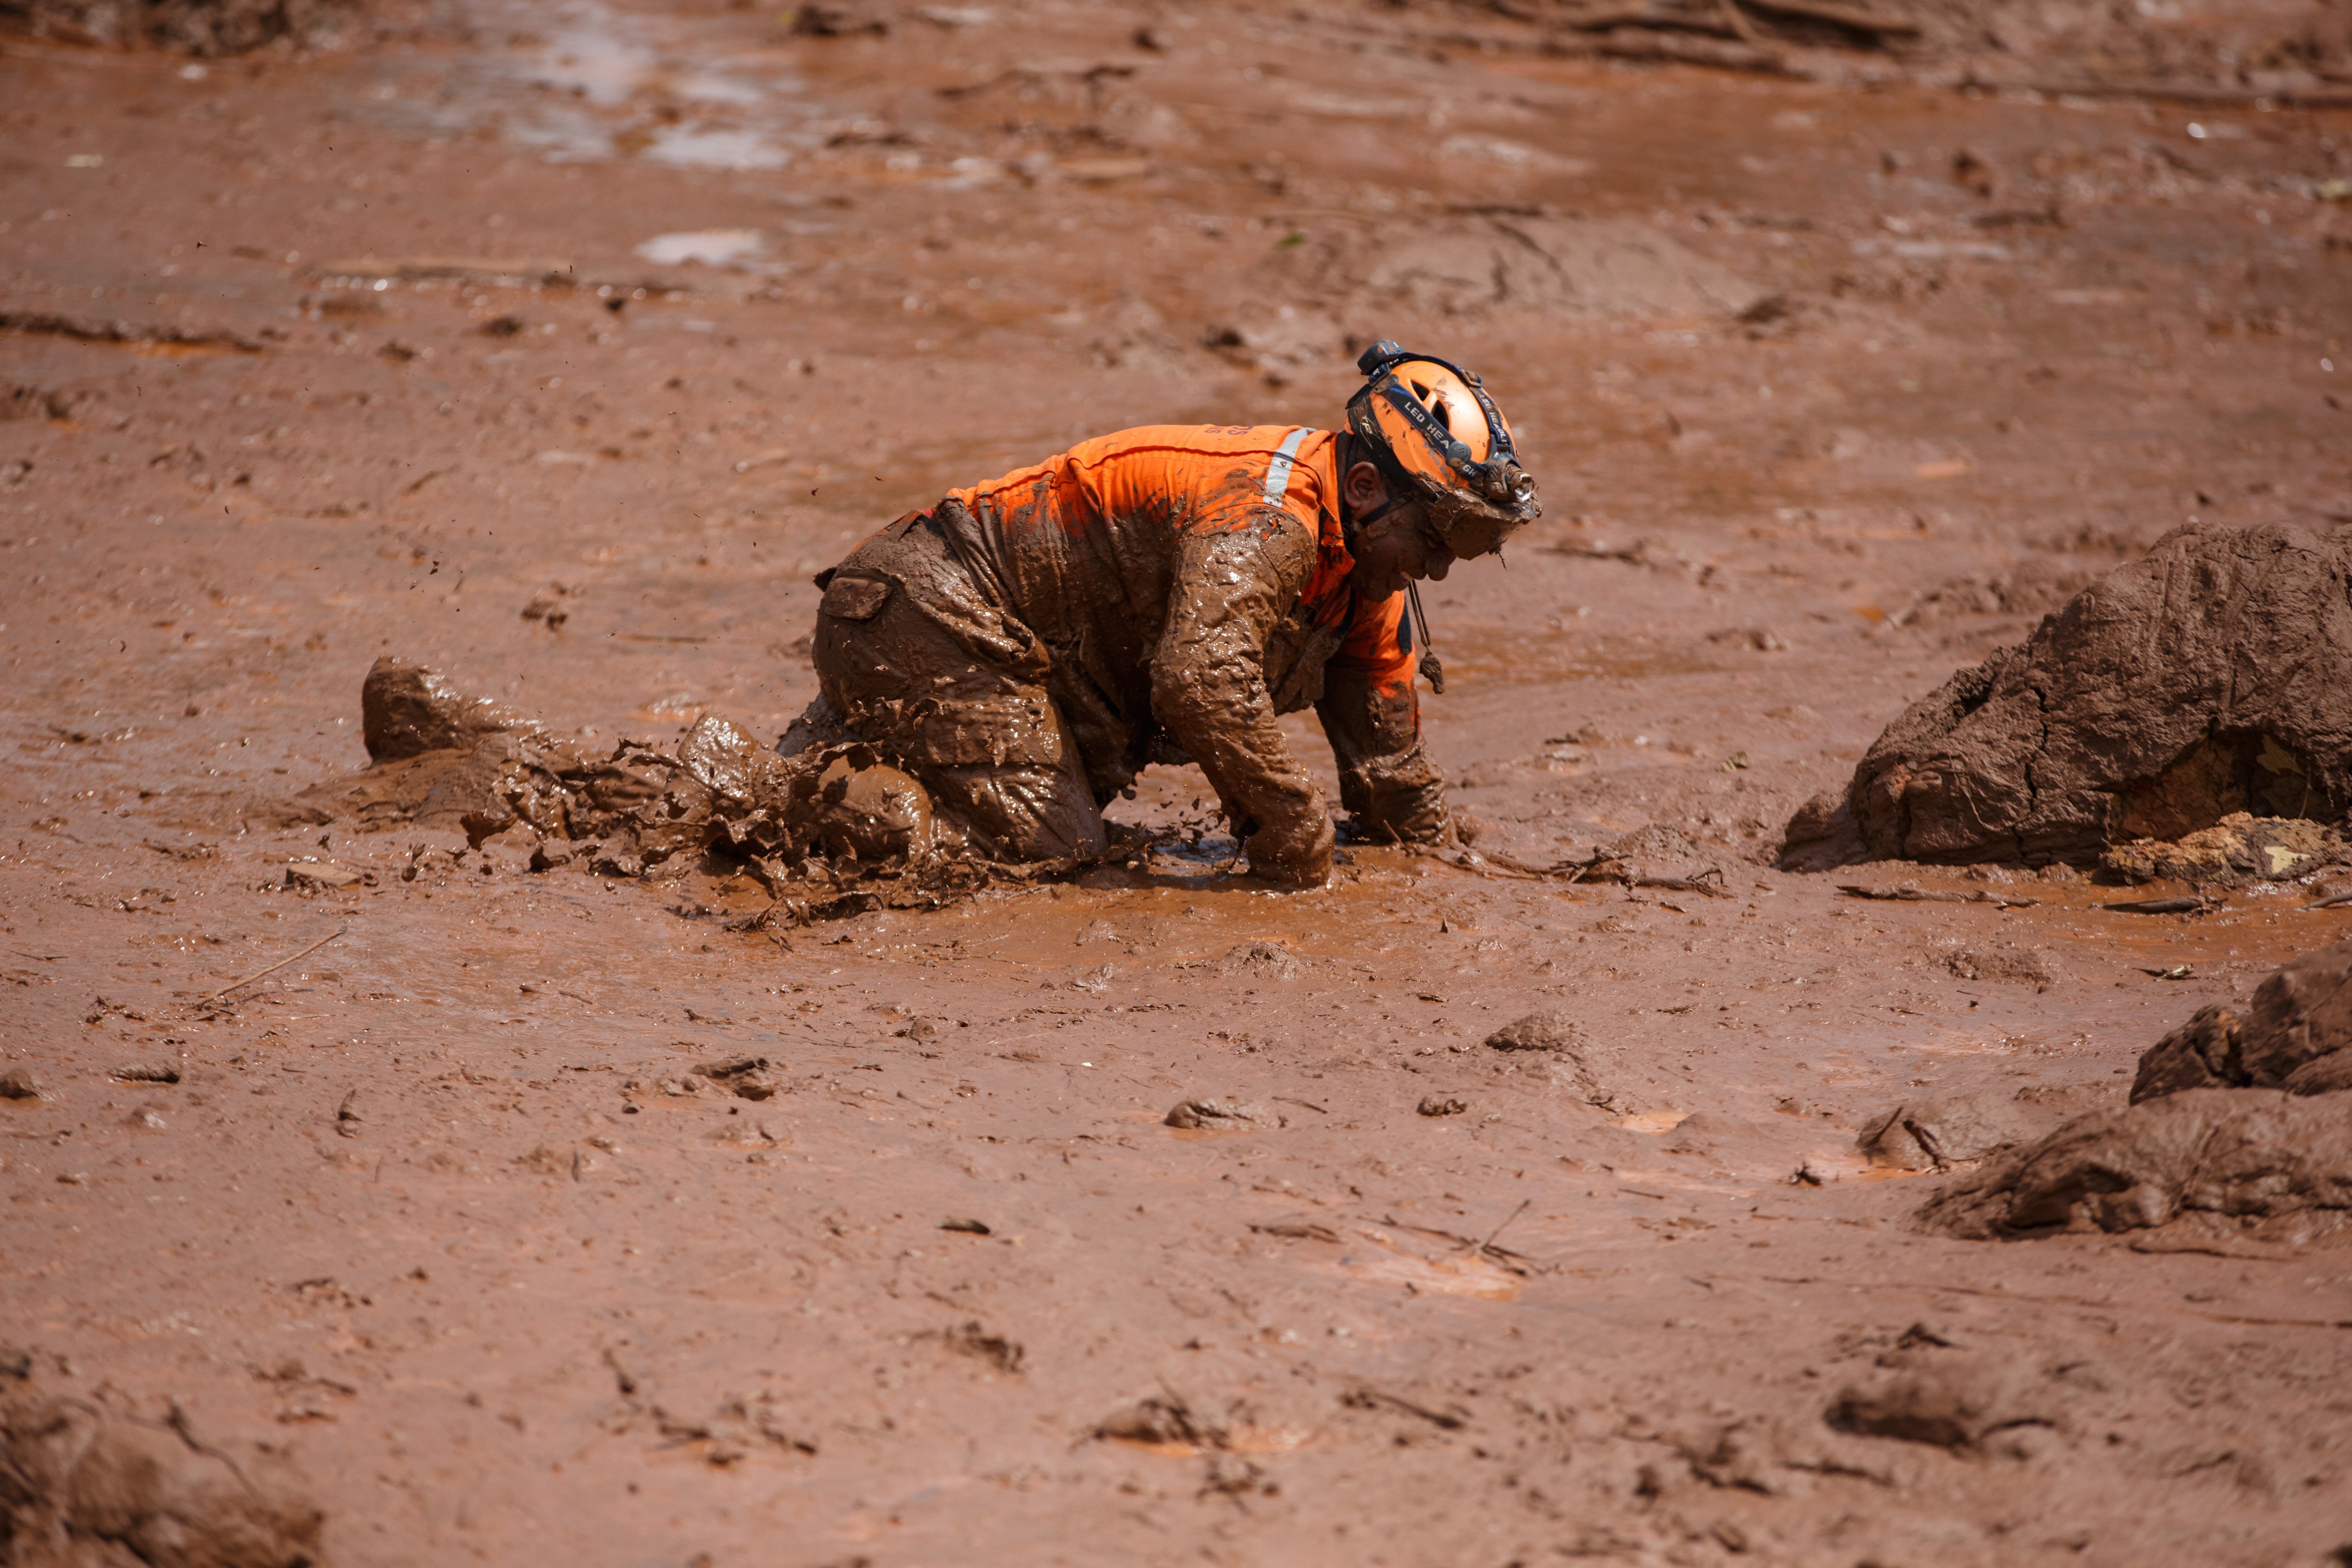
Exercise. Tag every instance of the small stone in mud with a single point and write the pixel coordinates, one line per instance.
(1221, 1116)
(18, 1083)
(2026, 966)
(743, 1077)
(320, 877)
(1434, 1105)
(968, 1226)
(148, 1073)
(1538, 1032)
(1005, 1354)
(347, 1116)
(1258, 960)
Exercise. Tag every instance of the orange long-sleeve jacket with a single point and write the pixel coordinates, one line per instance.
(1194, 583)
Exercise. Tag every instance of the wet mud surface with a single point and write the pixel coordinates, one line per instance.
(1451, 1213)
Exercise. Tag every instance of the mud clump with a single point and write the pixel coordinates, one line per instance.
(2212, 678)
(1933, 1133)
(1592, 1072)
(83, 1484)
(1222, 1116)
(2254, 1164)
(2296, 1036)
(1258, 960)
(1539, 1032)
(2013, 965)
(406, 710)
(208, 27)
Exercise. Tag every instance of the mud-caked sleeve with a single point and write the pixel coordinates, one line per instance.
(1232, 586)
(1371, 715)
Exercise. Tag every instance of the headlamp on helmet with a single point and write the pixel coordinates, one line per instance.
(1437, 438)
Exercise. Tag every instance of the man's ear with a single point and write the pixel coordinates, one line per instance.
(1363, 488)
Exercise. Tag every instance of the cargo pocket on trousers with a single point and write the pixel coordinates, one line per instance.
(855, 598)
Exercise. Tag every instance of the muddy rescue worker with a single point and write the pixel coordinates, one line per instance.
(1027, 646)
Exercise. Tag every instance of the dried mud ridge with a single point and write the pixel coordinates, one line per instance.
(88, 1483)
(2187, 715)
(2239, 1134)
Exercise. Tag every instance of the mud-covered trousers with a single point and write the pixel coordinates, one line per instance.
(916, 662)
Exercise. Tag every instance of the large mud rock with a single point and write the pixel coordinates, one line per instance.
(189, 27)
(2252, 1163)
(2296, 1036)
(83, 1486)
(2213, 677)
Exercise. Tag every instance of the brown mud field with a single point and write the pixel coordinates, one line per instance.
(371, 1198)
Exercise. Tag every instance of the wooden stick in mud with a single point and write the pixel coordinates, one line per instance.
(1500, 1229)
(265, 974)
(1837, 16)
(1741, 27)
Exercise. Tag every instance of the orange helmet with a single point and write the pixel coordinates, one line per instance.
(1437, 438)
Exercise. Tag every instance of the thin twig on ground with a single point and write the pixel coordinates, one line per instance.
(265, 974)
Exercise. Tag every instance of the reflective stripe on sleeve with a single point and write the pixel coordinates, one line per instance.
(1277, 473)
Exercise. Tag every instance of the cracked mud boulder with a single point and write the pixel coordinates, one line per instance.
(2252, 1164)
(85, 1485)
(187, 27)
(2296, 1035)
(2212, 678)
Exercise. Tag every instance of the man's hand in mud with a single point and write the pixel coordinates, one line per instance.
(1297, 854)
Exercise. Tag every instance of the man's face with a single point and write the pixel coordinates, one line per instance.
(1396, 548)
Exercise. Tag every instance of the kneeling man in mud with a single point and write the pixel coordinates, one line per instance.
(993, 671)
(1024, 647)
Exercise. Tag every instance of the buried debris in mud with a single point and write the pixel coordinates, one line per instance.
(2253, 1164)
(2206, 686)
(1594, 1073)
(2296, 1036)
(2239, 1132)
